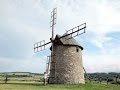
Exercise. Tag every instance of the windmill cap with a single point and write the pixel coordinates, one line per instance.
(67, 40)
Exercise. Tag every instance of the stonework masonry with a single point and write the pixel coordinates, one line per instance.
(66, 65)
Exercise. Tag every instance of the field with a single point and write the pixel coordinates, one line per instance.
(40, 86)
(35, 83)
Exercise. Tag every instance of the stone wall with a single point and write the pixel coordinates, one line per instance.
(66, 65)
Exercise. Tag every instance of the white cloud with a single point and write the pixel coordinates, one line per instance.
(31, 64)
(25, 22)
(101, 63)
(108, 17)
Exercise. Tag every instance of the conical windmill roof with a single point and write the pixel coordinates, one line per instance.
(67, 40)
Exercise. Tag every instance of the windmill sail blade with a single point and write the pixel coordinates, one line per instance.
(53, 17)
(48, 65)
(39, 46)
(75, 31)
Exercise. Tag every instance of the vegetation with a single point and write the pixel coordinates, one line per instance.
(40, 86)
(103, 76)
(35, 82)
(111, 77)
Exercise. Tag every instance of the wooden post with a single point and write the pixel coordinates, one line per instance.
(6, 78)
(107, 80)
(100, 80)
(116, 79)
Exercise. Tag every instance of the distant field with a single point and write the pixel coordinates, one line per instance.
(40, 86)
(21, 78)
(35, 83)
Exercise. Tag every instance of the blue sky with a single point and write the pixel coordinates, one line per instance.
(25, 22)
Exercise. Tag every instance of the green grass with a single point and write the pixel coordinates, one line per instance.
(40, 86)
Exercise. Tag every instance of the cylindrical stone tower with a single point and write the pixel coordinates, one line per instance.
(66, 64)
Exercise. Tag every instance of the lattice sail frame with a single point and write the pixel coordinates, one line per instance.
(48, 65)
(39, 46)
(80, 29)
(53, 17)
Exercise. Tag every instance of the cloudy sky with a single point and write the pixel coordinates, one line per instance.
(25, 22)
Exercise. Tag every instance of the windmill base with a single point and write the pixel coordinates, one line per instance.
(54, 81)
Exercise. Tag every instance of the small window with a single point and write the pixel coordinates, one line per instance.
(77, 49)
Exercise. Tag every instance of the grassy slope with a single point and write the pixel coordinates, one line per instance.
(37, 86)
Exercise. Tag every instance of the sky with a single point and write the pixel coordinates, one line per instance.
(25, 22)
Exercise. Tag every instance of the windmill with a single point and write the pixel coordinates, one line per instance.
(65, 62)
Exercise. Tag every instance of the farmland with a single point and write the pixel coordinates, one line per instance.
(35, 82)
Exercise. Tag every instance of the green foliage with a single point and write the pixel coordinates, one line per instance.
(103, 76)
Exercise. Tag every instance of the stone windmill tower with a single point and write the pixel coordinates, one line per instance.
(65, 62)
